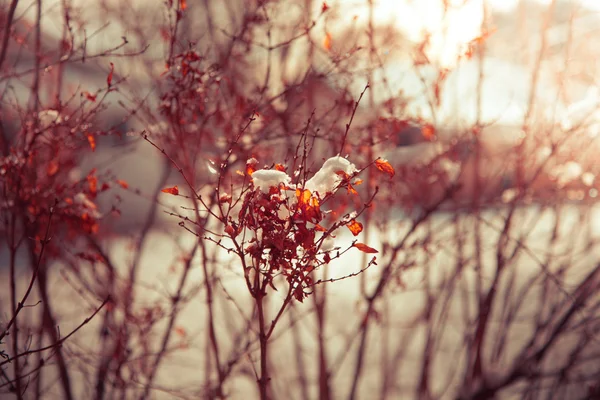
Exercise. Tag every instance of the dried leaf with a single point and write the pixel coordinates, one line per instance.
(364, 248)
(251, 166)
(230, 230)
(110, 74)
(327, 41)
(92, 141)
(52, 168)
(428, 132)
(225, 198)
(180, 331)
(171, 190)
(384, 166)
(90, 96)
(320, 228)
(355, 227)
(92, 183)
(309, 205)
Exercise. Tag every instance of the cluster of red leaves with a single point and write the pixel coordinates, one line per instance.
(288, 232)
(41, 179)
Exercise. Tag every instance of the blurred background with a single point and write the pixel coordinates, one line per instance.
(487, 272)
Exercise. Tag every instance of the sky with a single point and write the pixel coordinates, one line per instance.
(450, 32)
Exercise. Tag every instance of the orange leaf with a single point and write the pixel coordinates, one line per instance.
(172, 190)
(309, 205)
(327, 41)
(182, 4)
(364, 248)
(320, 228)
(251, 166)
(180, 331)
(52, 168)
(303, 196)
(110, 74)
(93, 184)
(428, 132)
(384, 166)
(280, 167)
(92, 141)
(355, 227)
(123, 184)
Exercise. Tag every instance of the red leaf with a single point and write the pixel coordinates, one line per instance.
(90, 96)
(93, 184)
(110, 74)
(324, 7)
(355, 227)
(320, 228)
(230, 230)
(172, 190)
(123, 184)
(384, 166)
(428, 132)
(280, 167)
(52, 168)
(180, 331)
(364, 248)
(92, 141)
(182, 5)
(225, 198)
(251, 166)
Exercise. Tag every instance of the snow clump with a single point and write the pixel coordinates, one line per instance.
(326, 179)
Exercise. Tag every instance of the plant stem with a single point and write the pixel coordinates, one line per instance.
(264, 373)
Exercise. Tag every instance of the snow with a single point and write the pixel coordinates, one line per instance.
(267, 178)
(326, 179)
(49, 117)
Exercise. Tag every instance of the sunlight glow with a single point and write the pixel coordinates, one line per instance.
(450, 30)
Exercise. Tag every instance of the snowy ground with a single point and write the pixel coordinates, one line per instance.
(183, 369)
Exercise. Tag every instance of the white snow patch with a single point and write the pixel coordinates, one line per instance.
(267, 178)
(49, 117)
(326, 179)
